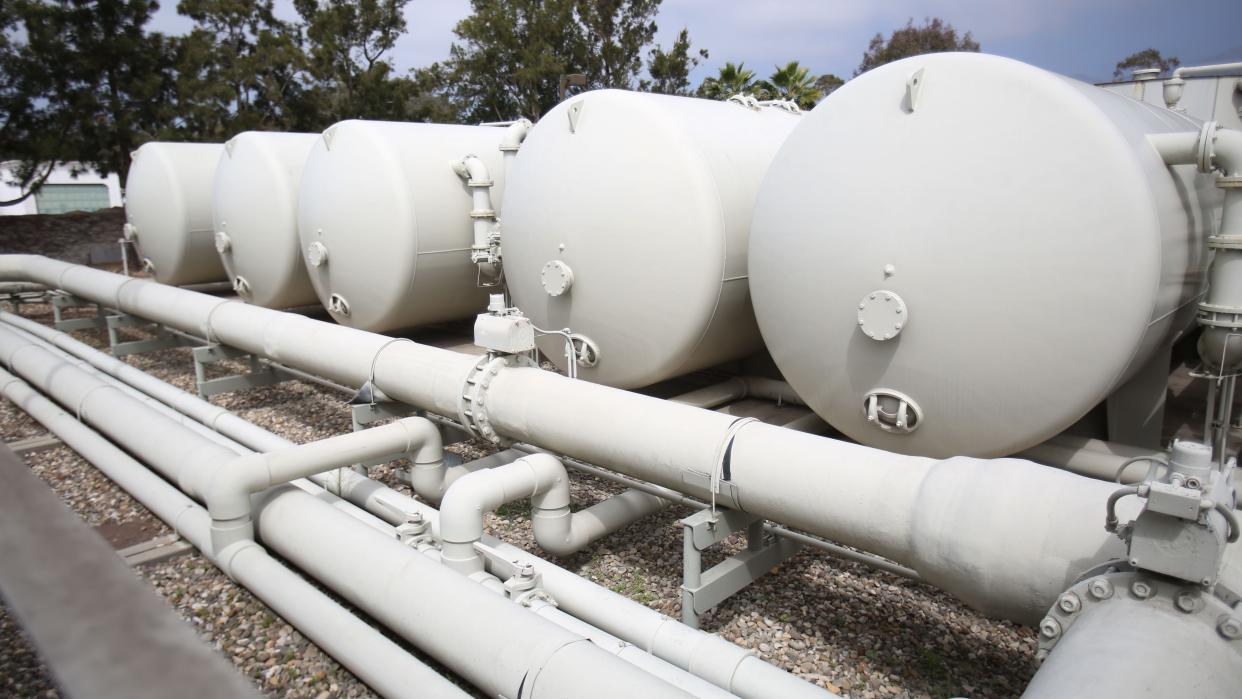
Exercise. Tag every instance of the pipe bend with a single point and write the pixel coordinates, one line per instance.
(474, 171)
(226, 489)
(514, 135)
(426, 445)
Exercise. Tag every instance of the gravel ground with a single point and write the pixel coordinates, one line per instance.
(838, 624)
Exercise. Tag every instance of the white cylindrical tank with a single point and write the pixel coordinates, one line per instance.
(975, 248)
(626, 222)
(255, 212)
(384, 222)
(168, 211)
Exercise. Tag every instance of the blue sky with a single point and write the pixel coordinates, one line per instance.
(1079, 38)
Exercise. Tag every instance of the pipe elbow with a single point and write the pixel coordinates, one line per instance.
(555, 532)
(464, 504)
(514, 135)
(227, 488)
(426, 446)
(472, 169)
(551, 482)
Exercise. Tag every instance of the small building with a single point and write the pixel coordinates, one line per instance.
(61, 192)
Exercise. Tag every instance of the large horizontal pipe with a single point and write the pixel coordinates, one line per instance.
(491, 642)
(1132, 646)
(942, 518)
(371, 656)
(703, 654)
(261, 438)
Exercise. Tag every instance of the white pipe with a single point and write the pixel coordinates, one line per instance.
(543, 479)
(705, 655)
(1051, 539)
(1092, 457)
(500, 647)
(632, 654)
(367, 653)
(516, 648)
(687, 649)
(1193, 71)
(355, 483)
(737, 388)
(511, 141)
(228, 488)
(484, 250)
(1128, 647)
(1175, 85)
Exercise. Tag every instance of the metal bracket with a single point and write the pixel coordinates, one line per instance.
(162, 340)
(260, 374)
(702, 590)
(63, 301)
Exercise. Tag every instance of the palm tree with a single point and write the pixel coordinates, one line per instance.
(732, 80)
(794, 83)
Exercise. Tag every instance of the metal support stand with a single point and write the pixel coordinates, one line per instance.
(120, 348)
(701, 589)
(63, 301)
(260, 374)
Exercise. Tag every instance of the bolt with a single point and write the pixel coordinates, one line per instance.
(1141, 589)
(872, 297)
(1049, 627)
(1100, 589)
(1206, 581)
(527, 570)
(1069, 603)
(1041, 655)
(414, 518)
(1187, 602)
(1230, 628)
(898, 311)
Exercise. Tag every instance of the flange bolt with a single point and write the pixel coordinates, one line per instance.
(1069, 603)
(1141, 589)
(1230, 628)
(1100, 589)
(1187, 602)
(1049, 627)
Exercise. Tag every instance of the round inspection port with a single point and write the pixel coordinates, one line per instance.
(882, 314)
(556, 277)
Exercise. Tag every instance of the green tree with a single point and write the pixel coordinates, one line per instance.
(794, 83)
(828, 84)
(510, 54)
(240, 68)
(84, 82)
(670, 70)
(731, 79)
(1147, 58)
(351, 77)
(934, 36)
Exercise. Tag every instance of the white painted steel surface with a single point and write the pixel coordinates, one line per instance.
(168, 210)
(384, 221)
(646, 200)
(1042, 250)
(254, 211)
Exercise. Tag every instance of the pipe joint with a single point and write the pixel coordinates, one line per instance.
(514, 135)
(228, 538)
